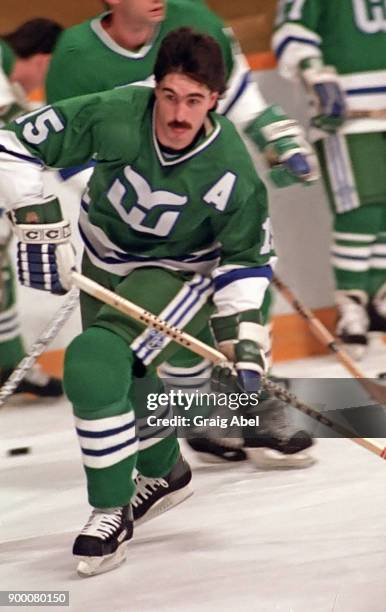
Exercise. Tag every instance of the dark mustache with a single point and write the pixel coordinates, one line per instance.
(180, 124)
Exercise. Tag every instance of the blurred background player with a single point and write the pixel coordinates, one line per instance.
(175, 181)
(125, 41)
(24, 57)
(337, 50)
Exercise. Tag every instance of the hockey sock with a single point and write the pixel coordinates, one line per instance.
(97, 379)
(353, 241)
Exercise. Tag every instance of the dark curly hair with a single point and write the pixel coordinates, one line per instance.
(194, 54)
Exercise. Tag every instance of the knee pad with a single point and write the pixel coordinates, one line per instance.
(97, 369)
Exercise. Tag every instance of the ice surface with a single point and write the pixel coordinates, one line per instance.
(289, 541)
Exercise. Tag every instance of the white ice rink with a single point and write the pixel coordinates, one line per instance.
(289, 541)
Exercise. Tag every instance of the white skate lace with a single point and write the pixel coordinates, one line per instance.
(36, 376)
(102, 524)
(353, 317)
(145, 488)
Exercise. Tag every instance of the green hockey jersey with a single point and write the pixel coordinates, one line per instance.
(88, 60)
(7, 57)
(347, 34)
(205, 211)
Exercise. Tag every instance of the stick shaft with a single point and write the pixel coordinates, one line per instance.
(320, 331)
(132, 310)
(378, 113)
(49, 333)
(371, 445)
(147, 318)
(377, 392)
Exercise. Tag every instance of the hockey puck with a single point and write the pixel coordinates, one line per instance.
(382, 375)
(21, 450)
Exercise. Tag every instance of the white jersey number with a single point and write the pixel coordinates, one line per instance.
(294, 11)
(147, 200)
(267, 245)
(370, 15)
(37, 130)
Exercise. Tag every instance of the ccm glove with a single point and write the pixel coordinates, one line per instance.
(243, 341)
(45, 255)
(327, 97)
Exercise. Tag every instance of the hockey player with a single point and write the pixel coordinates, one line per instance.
(125, 42)
(24, 57)
(337, 50)
(175, 204)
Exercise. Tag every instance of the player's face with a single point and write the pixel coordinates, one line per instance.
(146, 11)
(182, 106)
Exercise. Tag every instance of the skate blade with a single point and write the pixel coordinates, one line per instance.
(166, 503)
(268, 459)
(211, 459)
(91, 566)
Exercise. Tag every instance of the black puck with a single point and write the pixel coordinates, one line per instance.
(382, 375)
(21, 450)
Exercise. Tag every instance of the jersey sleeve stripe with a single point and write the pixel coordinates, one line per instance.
(232, 276)
(238, 93)
(290, 39)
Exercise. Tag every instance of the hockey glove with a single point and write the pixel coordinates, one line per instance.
(45, 255)
(327, 97)
(242, 339)
(282, 141)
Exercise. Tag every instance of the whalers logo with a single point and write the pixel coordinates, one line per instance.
(155, 339)
(370, 15)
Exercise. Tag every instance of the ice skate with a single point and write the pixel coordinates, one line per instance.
(353, 321)
(36, 382)
(154, 496)
(217, 450)
(101, 545)
(275, 444)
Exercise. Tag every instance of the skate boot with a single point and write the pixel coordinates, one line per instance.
(217, 450)
(36, 382)
(154, 496)
(101, 545)
(275, 444)
(353, 321)
(377, 311)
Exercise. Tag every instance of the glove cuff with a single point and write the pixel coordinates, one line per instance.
(41, 223)
(228, 328)
(316, 75)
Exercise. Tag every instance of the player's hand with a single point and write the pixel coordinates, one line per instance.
(294, 161)
(327, 96)
(244, 374)
(45, 255)
(282, 141)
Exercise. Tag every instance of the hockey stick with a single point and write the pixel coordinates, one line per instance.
(379, 113)
(139, 314)
(37, 348)
(376, 391)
